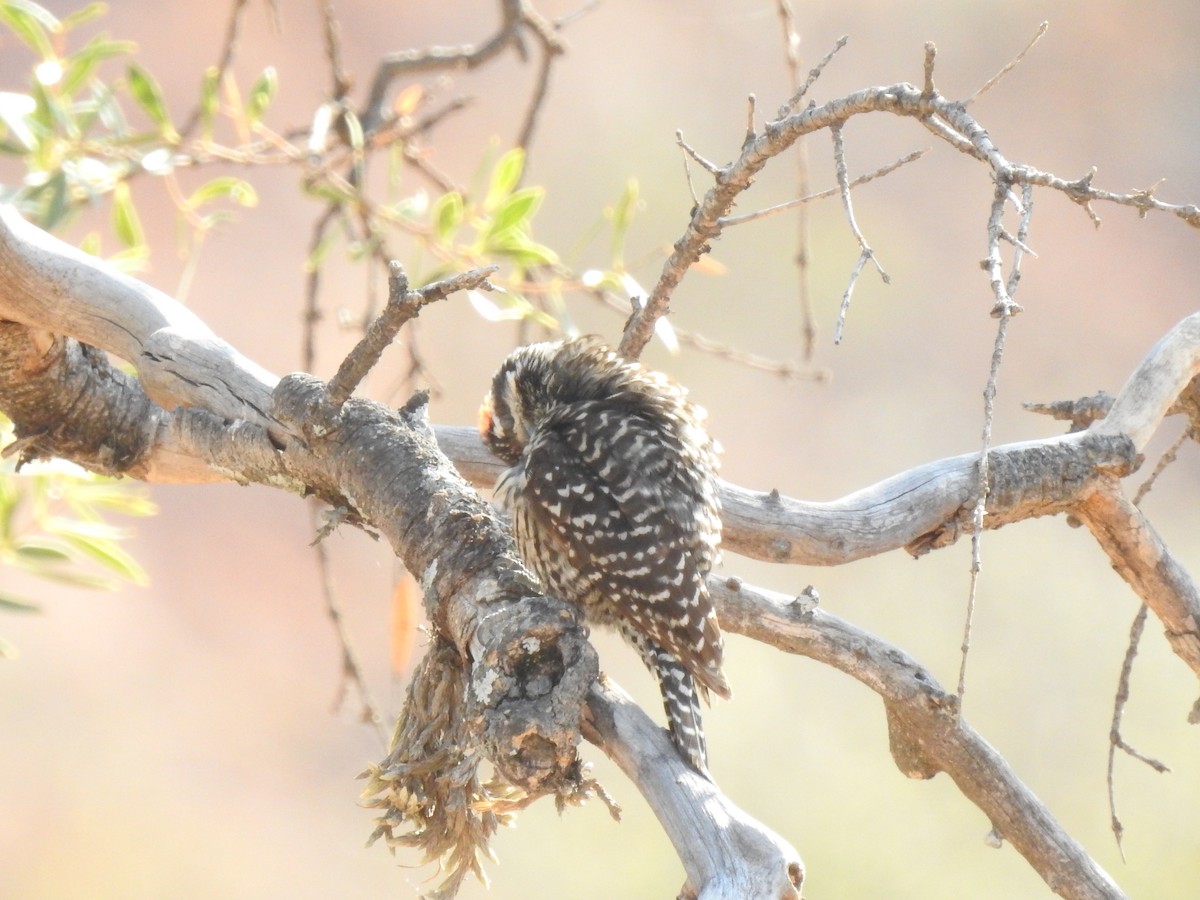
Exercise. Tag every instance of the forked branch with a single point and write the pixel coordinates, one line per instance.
(947, 119)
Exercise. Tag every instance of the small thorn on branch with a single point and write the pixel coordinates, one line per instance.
(1005, 234)
(995, 79)
(1081, 412)
(1144, 199)
(930, 56)
(726, 221)
(711, 167)
(794, 102)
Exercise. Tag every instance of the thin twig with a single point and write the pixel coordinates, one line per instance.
(333, 51)
(719, 350)
(1164, 461)
(352, 673)
(1020, 248)
(866, 253)
(808, 316)
(1115, 739)
(783, 368)
(312, 290)
(843, 178)
(791, 41)
(553, 47)
(980, 510)
(711, 167)
(994, 264)
(1005, 310)
(540, 87)
(793, 102)
(570, 18)
(821, 195)
(465, 56)
(991, 82)
(945, 118)
(402, 306)
(839, 326)
(228, 51)
(751, 102)
(687, 170)
(930, 58)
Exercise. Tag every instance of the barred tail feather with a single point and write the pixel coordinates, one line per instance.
(681, 700)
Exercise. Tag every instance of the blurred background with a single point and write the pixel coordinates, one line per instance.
(183, 739)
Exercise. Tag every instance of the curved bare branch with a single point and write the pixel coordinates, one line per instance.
(927, 732)
(726, 854)
(945, 118)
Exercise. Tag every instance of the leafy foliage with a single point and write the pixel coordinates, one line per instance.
(52, 525)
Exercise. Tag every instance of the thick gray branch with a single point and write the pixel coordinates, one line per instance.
(927, 733)
(920, 509)
(945, 118)
(1141, 557)
(727, 855)
(49, 285)
(530, 663)
(387, 472)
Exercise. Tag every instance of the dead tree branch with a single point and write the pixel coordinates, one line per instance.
(727, 855)
(926, 732)
(517, 17)
(528, 665)
(403, 304)
(198, 410)
(946, 119)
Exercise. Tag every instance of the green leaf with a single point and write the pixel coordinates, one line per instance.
(11, 604)
(515, 211)
(30, 23)
(505, 176)
(75, 578)
(354, 130)
(209, 100)
(132, 260)
(447, 215)
(91, 243)
(53, 112)
(622, 217)
(125, 221)
(111, 495)
(522, 250)
(81, 64)
(331, 192)
(47, 203)
(80, 16)
(106, 552)
(227, 187)
(317, 257)
(39, 551)
(7, 512)
(146, 91)
(262, 92)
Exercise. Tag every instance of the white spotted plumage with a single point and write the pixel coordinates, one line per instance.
(612, 492)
